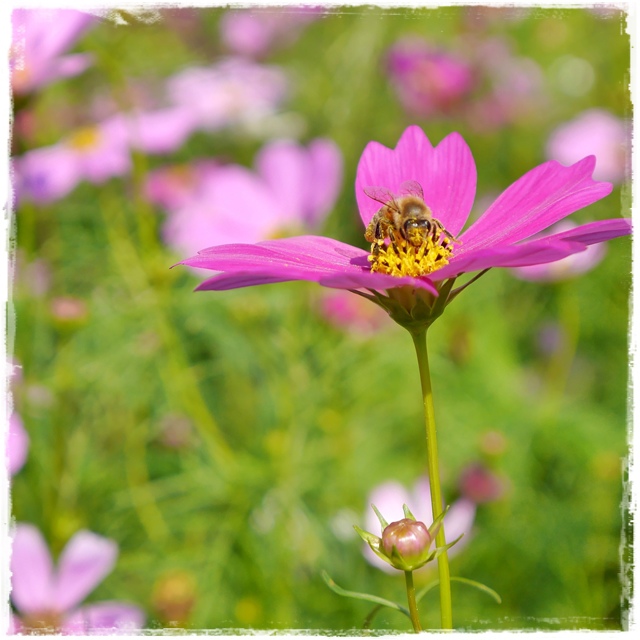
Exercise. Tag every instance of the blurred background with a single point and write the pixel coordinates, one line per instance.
(227, 442)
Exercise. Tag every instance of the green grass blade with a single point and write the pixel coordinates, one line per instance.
(472, 583)
(481, 587)
(363, 596)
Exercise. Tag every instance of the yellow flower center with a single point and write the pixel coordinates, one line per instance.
(416, 256)
(85, 139)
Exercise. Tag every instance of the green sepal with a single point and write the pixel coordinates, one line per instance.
(383, 523)
(435, 525)
(440, 550)
(407, 512)
(369, 538)
(373, 541)
(398, 563)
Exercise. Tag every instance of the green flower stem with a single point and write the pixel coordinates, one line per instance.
(411, 597)
(420, 343)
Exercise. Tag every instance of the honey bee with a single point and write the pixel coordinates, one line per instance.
(405, 214)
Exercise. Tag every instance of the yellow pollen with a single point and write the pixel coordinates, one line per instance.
(85, 138)
(415, 258)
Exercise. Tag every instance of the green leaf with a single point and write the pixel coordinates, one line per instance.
(363, 596)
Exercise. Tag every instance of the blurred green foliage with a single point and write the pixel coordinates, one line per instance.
(288, 422)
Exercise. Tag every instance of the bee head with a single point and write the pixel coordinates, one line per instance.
(416, 224)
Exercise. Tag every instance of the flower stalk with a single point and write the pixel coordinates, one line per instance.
(411, 598)
(420, 342)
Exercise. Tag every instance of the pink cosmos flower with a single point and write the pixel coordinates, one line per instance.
(429, 81)
(94, 154)
(39, 37)
(292, 187)
(253, 32)
(483, 82)
(500, 237)
(352, 313)
(480, 485)
(513, 86)
(234, 91)
(17, 444)
(596, 132)
(159, 131)
(389, 498)
(569, 267)
(174, 186)
(48, 598)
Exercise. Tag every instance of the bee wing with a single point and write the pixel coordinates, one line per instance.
(382, 195)
(411, 188)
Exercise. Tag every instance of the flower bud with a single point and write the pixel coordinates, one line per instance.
(406, 543)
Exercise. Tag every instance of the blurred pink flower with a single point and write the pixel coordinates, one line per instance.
(233, 91)
(39, 37)
(389, 498)
(48, 598)
(574, 265)
(172, 187)
(478, 484)
(594, 132)
(68, 309)
(94, 154)
(429, 81)
(293, 187)
(253, 32)
(513, 87)
(159, 131)
(34, 277)
(478, 80)
(352, 313)
(17, 444)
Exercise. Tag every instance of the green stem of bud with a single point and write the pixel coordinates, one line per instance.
(411, 598)
(420, 343)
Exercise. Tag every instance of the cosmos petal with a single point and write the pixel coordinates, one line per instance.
(314, 258)
(540, 198)
(593, 232)
(375, 281)
(284, 166)
(32, 571)
(447, 174)
(314, 253)
(50, 33)
(459, 522)
(104, 618)
(67, 66)
(521, 255)
(17, 444)
(326, 168)
(84, 563)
